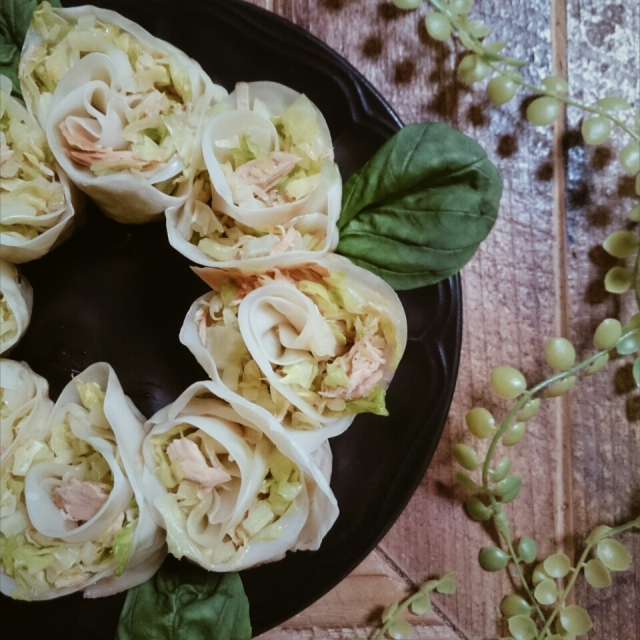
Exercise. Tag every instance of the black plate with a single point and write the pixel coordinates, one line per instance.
(119, 294)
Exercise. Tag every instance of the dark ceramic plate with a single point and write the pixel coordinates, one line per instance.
(119, 294)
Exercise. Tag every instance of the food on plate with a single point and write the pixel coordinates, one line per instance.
(313, 344)
(123, 111)
(268, 190)
(16, 302)
(24, 409)
(229, 486)
(74, 514)
(37, 201)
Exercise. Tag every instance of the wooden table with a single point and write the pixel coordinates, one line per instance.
(538, 275)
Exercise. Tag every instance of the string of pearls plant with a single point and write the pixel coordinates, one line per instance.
(541, 612)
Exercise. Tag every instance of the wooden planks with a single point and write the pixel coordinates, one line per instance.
(539, 274)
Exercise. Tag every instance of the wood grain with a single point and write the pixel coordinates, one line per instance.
(539, 274)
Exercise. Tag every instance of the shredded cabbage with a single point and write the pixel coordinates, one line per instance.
(202, 511)
(299, 137)
(224, 239)
(31, 194)
(39, 563)
(156, 88)
(346, 382)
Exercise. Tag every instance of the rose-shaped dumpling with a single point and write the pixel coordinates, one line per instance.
(16, 302)
(24, 412)
(215, 239)
(231, 489)
(313, 344)
(37, 201)
(123, 111)
(268, 191)
(79, 492)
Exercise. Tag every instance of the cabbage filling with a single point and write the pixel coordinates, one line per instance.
(8, 322)
(29, 189)
(224, 239)
(279, 176)
(339, 385)
(39, 563)
(156, 89)
(203, 480)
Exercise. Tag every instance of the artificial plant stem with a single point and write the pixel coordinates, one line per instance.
(479, 49)
(576, 572)
(403, 606)
(497, 509)
(524, 398)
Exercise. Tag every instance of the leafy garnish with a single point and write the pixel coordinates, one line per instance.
(184, 601)
(418, 210)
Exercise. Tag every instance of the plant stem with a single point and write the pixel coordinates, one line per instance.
(576, 572)
(516, 560)
(473, 44)
(526, 397)
(404, 605)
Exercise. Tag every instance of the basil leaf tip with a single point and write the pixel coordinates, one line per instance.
(418, 210)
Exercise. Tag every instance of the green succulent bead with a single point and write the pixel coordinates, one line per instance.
(529, 410)
(630, 158)
(543, 111)
(466, 457)
(596, 130)
(613, 104)
(621, 244)
(527, 549)
(613, 554)
(480, 422)
(557, 565)
(472, 69)
(555, 84)
(407, 4)
(514, 605)
(461, 7)
(501, 89)
(493, 559)
(438, 26)
(560, 387)
(607, 334)
(560, 354)
(508, 382)
(513, 434)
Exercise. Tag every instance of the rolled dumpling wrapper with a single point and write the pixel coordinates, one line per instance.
(313, 344)
(88, 525)
(16, 303)
(37, 201)
(213, 239)
(126, 123)
(231, 489)
(269, 156)
(24, 413)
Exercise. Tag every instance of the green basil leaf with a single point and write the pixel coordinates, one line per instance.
(418, 210)
(15, 17)
(184, 601)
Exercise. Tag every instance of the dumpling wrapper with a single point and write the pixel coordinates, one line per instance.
(213, 239)
(247, 115)
(97, 123)
(25, 407)
(245, 442)
(45, 476)
(272, 320)
(37, 200)
(16, 303)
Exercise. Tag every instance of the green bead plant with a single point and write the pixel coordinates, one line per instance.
(541, 610)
